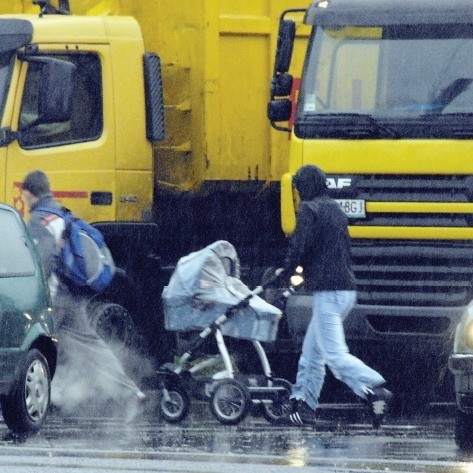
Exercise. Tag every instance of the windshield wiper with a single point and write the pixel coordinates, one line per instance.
(369, 118)
(450, 93)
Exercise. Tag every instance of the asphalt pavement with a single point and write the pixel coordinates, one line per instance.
(341, 440)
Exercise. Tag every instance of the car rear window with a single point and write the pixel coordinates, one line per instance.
(15, 255)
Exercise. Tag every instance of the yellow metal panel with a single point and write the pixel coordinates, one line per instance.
(8, 6)
(133, 193)
(244, 7)
(416, 233)
(419, 207)
(391, 156)
(244, 134)
(127, 49)
(288, 216)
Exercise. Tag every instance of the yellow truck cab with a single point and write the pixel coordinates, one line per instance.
(385, 108)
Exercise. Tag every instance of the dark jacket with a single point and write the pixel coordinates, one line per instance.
(44, 239)
(320, 242)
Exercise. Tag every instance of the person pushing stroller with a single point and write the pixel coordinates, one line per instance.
(321, 245)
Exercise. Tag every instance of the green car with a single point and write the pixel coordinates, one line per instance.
(28, 349)
(461, 365)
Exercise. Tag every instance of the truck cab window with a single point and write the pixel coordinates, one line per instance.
(86, 121)
(397, 75)
(5, 71)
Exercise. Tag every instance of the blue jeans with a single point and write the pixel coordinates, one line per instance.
(324, 344)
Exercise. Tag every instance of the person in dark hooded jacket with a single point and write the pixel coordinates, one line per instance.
(321, 245)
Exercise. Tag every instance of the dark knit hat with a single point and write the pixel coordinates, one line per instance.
(310, 182)
(37, 183)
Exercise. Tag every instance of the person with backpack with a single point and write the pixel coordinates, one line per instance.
(321, 245)
(87, 368)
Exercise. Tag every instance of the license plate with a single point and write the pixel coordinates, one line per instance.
(354, 208)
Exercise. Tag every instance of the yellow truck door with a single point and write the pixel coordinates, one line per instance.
(79, 154)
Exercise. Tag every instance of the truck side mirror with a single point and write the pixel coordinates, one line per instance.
(286, 35)
(153, 97)
(279, 110)
(281, 85)
(56, 91)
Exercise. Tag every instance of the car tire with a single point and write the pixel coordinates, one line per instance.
(464, 431)
(25, 408)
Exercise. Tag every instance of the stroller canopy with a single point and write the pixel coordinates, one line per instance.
(205, 285)
(203, 270)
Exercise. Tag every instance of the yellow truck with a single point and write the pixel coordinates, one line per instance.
(166, 151)
(385, 107)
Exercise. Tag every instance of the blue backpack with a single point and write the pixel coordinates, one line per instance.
(84, 258)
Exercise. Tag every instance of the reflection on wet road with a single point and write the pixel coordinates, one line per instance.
(340, 441)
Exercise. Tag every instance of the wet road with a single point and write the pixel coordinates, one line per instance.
(342, 440)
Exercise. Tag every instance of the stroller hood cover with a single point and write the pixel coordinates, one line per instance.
(205, 285)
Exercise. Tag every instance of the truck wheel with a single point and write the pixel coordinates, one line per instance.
(25, 409)
(464, 431)
(113, 323)
(230, 402)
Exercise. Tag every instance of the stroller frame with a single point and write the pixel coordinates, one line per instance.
(230, 394)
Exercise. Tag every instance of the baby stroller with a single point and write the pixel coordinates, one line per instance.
(206, 295)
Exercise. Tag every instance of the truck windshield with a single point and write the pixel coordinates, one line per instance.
(5, 72)
(369, 82)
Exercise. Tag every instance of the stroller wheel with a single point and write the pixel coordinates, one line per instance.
(177, 406)
(230, 402)
(277, 411)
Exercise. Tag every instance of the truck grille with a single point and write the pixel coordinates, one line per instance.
(413, 273)
(417, 188)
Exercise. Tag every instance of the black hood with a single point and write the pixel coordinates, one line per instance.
(310, 182)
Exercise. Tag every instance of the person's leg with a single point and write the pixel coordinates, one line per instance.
(334, 306)
(311, 367)
(89, 369)
(363, 380)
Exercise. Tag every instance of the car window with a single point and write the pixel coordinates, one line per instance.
(15, 255)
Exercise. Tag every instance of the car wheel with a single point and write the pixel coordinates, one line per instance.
(464, 431)
(25, 409)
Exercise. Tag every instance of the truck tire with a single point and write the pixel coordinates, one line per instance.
(26, 407)
(464, 431)
(113, 323)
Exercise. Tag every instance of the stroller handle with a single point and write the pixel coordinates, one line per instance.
(278, 273)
